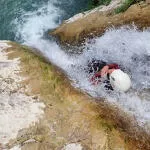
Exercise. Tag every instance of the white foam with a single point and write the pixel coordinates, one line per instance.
(17, 110)
(34, 24)
(73, 146)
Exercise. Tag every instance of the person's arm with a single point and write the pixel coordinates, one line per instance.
(101, 73)
(104, 70)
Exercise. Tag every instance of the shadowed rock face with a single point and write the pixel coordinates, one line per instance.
(97, 22)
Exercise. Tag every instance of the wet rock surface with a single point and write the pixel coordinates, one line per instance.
(77, 29)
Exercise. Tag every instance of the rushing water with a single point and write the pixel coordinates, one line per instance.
(126, 46)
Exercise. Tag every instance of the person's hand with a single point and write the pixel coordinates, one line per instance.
(104, 71)
(94, 80)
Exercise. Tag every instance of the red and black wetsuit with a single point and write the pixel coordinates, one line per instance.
(111, 66)
(95, 66)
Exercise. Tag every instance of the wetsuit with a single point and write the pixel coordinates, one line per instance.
(95, 66)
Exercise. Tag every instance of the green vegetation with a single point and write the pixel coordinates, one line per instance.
(94, 3)
(126, 5)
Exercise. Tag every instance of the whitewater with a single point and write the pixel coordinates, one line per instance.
(126, 46)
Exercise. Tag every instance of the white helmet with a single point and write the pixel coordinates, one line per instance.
(120, 80)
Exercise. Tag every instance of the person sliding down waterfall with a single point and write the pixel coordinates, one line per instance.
(114, 77)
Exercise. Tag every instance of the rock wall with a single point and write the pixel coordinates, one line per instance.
(91, 24)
